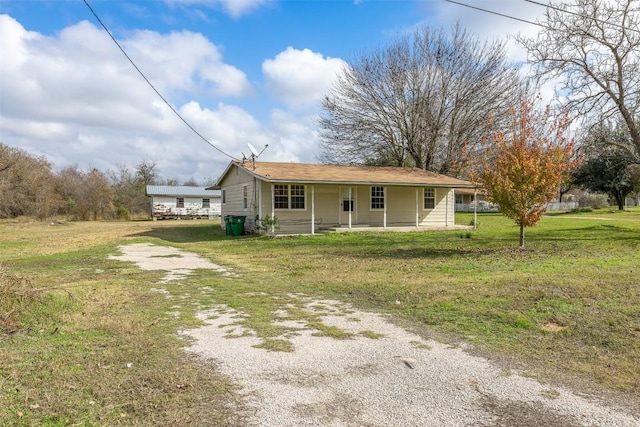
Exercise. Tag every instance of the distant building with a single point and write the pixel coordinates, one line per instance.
(174, 202)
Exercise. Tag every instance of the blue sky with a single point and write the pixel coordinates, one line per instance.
(239, 71)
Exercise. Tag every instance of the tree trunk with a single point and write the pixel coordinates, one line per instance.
(521, 236)
(620, 199)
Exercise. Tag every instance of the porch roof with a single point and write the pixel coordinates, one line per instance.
(306, 173)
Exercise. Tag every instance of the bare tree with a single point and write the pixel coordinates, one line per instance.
(25, 184)
(423, 101)
(129, 187)
(191, 182)
(147, 172)
(593, 46)
(86, 195)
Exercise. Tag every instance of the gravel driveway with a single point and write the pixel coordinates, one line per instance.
(383, 376)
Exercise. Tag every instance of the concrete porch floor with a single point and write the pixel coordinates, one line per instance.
(398, 229)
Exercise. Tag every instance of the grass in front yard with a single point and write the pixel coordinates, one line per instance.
(569, 302)
(95, 345)
(84, 341)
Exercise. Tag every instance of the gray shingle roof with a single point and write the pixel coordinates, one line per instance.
(180, 190)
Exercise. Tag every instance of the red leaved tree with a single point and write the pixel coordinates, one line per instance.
(524, 165)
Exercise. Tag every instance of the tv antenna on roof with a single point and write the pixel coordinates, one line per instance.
(254, 153)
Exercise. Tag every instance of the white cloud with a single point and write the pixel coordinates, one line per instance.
(300, 78)
(235, 8)
(297, 138)
(491, 26)
(289, 137)
(75, 99)
(185, 61)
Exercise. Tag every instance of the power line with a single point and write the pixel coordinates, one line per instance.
(571, 12)
(538, 23)
(496, 13)
(151, 84)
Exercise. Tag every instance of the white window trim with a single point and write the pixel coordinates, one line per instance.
(289, 208)
(245, 197)
(384, 198)
(424, 199)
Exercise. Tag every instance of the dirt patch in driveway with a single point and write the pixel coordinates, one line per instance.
(377, 374)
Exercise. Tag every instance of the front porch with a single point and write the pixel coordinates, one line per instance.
(363, 228)
(396, 229)
(343, 208)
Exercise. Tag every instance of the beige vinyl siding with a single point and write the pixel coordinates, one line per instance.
(328, 205)
(293, 221)
(233, 184)
(363, 203)
(401, 206)
(443, 208)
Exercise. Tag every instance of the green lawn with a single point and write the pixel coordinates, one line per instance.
(567, 306)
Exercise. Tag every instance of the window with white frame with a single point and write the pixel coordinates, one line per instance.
(287, 196)
(281, 196)
(429, 198)
(224, 196)
(297, 196)
(180, 202)
(245, 197)
(206, 203)
(377, 197)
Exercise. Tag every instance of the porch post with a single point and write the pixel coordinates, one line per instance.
(446, 209)
(258, 187)
(417, 208)
(475, 208)
(313, 209)
(350, 195)
(384, 201)
(340, 202)
(273, 208)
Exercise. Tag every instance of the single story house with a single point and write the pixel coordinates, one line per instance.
(306, 198)
(174, 201)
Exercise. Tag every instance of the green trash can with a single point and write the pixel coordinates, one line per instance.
(227, 225)
(237, 225)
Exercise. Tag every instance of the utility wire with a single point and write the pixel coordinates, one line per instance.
(496, 13)
(151, 84)
(538, 23)
(559, 9)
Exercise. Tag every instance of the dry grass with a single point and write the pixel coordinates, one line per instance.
(85, 342)
(567, 306)
(16, 294)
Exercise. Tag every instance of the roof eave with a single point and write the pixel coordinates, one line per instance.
(379, 183)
